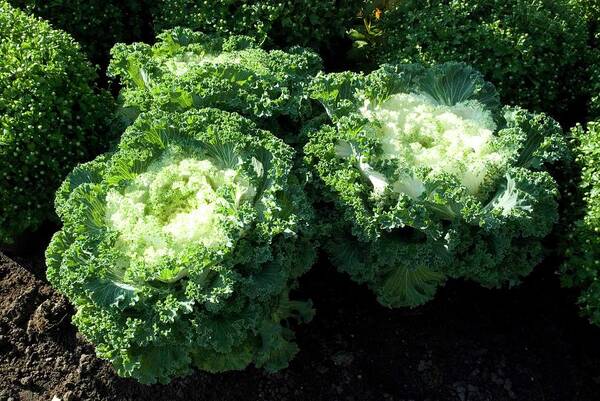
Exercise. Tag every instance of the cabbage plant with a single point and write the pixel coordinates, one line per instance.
(424, 176)
(180, 248)
(186, 70)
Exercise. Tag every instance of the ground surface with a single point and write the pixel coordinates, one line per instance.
(470, 344)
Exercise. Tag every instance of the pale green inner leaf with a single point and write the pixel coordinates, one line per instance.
(176, 203)
(421, 133)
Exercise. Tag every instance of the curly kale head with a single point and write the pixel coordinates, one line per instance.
(51, 117)
(96, 24)
(582, 266)
(282, 23)
(180, 248)
(533, 50)
(186, 70)
(430, 178)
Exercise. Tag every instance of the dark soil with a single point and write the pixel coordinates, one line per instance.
(470, 344)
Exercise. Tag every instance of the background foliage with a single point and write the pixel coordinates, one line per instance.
(534, 51)
(51, 117)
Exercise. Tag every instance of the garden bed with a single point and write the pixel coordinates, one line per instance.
(522, 344)
(234, 160)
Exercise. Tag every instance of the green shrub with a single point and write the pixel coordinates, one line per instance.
(180, 248)
(311, 23)
(582, 267)
(96, 24)
(594, 72)
(533, 50)
(51, 117)
(424, 176)
(592, 16)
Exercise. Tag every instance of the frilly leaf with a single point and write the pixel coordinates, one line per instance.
(509, 197)
(453, 83)
(410, 287)
(111, 294)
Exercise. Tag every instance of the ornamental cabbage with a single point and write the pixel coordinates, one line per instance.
(187, 69)
(180, 248)
(582, 266)
(424, 177)
(533, 50)
(51, 117)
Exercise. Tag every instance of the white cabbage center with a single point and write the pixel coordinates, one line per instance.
(181, 64)
(173, 205)
(418, 132)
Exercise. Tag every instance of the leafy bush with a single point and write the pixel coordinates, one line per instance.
(425, 176)
(582, 267)
(181, 248)
(594, 71)
(592, 17)
(96, 24)
(533, 50)
(188, 69)
(594, 63)
(312, 23)
(51, 117)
